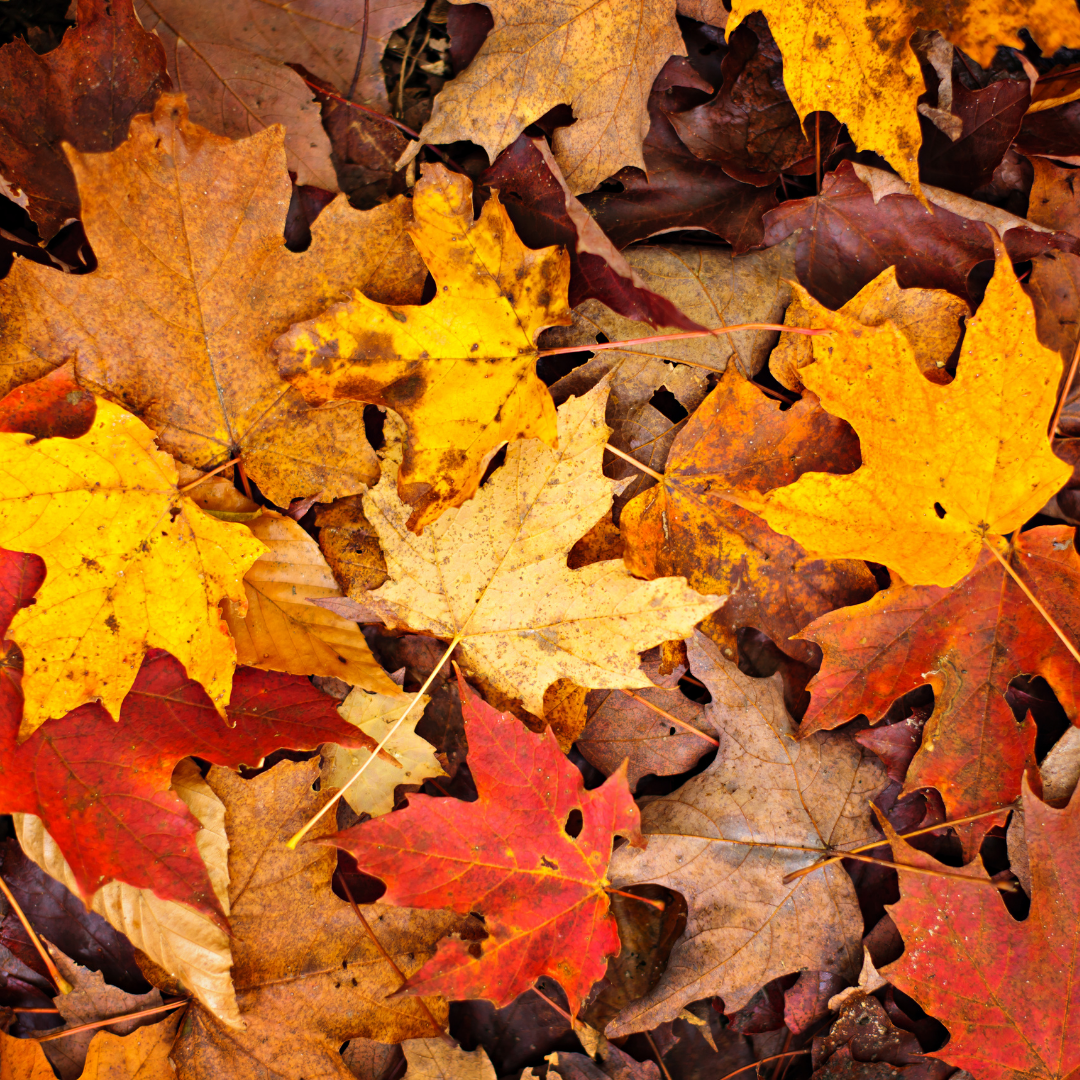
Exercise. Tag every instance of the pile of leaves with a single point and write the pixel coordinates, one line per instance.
(539, 541)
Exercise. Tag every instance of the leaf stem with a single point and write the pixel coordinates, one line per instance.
(598, 346)
(754, 1064)
(634, 461)
(112, 1020)
(656, 1054)
(1066, 388)
(658, 904)
(674, 719)
(1031, 596)
(62, 985)
(561, 1011)
(302, 832)
(1001, 886)
(360, 54)
(206, 476)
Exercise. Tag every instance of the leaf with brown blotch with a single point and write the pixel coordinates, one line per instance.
(193, 284)
(282, 630)
(350, 545)
(461, 370)
(493, 573)
(739, 439)
(535, 59)
(308, 974)
(727, 837)
(85, 92)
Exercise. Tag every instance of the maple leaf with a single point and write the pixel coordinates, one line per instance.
(193, 283)
(944, 467)
(534, 60)
(101, 788)
(508, 855)
(843, 58)
(434, 1059)
(308, 973)
(739, 439)
(493, 574)
(726, 838)
(1008, 991)
(461, 370)
(158, 566)
(968, 642)
(59, 97)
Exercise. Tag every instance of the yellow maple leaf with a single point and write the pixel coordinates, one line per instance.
(944, 467)
(460, 371)
(493, 573)
(131, 564)
(852, 58)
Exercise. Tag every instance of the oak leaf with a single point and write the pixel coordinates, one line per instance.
(309, 975)
(945, 468)
(535, 59)
(461, 370)
(1008, 991)
(726, 838)
(493, 576)
(157, 568)
(508, 855)
(740, 439)
(193, 284)
(855, 62)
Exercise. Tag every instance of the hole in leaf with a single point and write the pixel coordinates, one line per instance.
(574, 823)
(496, 460)
(374, 419)
(939, 510)
(365, 889)
(665, 402)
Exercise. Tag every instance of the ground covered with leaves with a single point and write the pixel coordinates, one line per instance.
(539, 540)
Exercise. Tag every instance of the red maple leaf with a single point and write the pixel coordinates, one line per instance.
(1008, 991)
(509, 857)
(968, 642)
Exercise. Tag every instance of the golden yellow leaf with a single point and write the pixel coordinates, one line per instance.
(375, 715)
(598, 56)
(23, 1059)
(193, 284)
(493, 573)
(852, 59)
(281, 630)
(460, 371)
(142, 1055)
(131, 565)
(943, 466)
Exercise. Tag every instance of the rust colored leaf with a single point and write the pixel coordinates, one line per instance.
(508, 855)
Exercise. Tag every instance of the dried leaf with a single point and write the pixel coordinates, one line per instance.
(143, 1055)
(434, 1059)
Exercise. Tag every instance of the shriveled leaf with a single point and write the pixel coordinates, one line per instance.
(727, 837)
(461, 370)
(414, 758)
(493, 574)
(350, 545)
(535, 59)
(153, 577)
(508, 855)
(976, 449)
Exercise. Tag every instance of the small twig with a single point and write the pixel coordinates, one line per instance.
(301, 832)
(360, 54)
(1031, 596)
(754, 1064)
(390, 960)
(600, 345)
(111, 1020)
(61, 984)
(656, 1054)
(659, 904)
(206, 476)
(674, 719)
(1066, 388)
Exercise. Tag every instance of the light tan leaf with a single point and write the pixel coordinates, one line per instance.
(493, 572)
(375, 714)
(727, 837)
(282, 631)
(435, 1059)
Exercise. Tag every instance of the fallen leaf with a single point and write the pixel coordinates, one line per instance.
(23, 1059)
(309, 977)
(374, 715)
(281, 629)
(1060, 769)
(726, 838)
(615, 1065)
(1006, 990)
(554, 62)
(543, 212)
(493, 574)
(435, 1059)
(84, 93)
(158, 568)
(740, 439)
(179, 333)
(678, 190)
(101, 788)
(540, 891)
(142, 1055)
(898, 508)
(840, 58)
(460, 370)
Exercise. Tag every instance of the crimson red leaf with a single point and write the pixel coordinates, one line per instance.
(507, 856)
